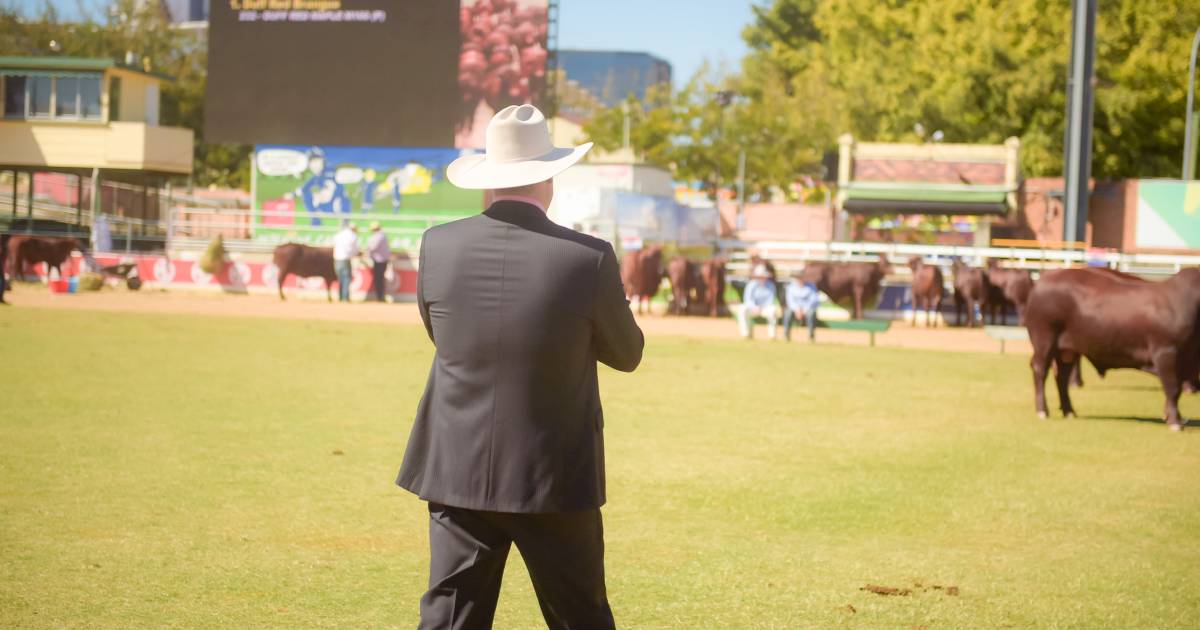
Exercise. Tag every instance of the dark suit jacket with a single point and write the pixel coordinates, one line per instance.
(520, 310)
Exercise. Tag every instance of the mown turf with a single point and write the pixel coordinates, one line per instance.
(172, 471)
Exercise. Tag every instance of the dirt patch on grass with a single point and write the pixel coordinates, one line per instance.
(902, 334)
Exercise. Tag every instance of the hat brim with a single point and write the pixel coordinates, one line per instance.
(475, 172)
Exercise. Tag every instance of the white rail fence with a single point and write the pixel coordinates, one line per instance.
(191, 228)
(791, 256)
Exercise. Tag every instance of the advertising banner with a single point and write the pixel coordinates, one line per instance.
(303, 193)
(1168, 214)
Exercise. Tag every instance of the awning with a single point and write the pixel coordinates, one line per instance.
(922, 198)
(61, 74)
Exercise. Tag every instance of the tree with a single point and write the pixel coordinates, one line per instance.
(139, 28)
(982, 70)
(697, 135)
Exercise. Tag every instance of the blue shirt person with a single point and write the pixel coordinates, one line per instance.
(802, 300)
(758, 300)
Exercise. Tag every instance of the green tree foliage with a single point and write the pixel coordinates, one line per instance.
(698, 133)
(140, 28)
(980, 71)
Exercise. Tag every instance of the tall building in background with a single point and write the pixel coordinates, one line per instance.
(610, 76)
(186, 12)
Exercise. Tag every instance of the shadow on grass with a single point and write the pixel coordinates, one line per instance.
(1190, 423)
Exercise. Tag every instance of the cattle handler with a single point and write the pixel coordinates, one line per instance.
(508, 444)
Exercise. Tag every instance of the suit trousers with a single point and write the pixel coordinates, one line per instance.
(563, 551)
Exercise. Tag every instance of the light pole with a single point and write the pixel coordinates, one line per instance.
(723, 98)
(1189, 120)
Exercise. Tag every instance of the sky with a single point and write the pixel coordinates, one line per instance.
(684, 32)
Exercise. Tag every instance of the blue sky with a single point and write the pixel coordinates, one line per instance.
(684, 32)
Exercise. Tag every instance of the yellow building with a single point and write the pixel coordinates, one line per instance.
(93, 119)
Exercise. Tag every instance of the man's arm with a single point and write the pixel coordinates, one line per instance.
(615, 334)
(422, 306)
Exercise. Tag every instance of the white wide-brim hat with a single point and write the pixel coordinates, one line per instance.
(518, 152)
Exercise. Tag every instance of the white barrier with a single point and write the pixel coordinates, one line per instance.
(791, 255)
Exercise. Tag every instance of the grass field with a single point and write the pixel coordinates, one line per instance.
(179, 471)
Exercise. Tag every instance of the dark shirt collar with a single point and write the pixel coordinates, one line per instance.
(517, 212)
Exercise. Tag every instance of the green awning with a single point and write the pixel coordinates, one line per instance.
(925, 198)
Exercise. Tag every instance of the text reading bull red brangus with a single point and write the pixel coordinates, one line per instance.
(302, 11)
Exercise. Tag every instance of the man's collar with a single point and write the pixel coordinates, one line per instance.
(520, 198)
(511, 210)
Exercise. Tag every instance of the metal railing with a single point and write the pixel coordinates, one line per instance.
(789, 256)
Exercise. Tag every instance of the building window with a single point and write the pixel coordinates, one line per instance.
(14, 97)
(46, 96)
(89, 98)
(40, 89)
(66, 97)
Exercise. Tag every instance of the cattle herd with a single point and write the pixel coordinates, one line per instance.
(1114, 319)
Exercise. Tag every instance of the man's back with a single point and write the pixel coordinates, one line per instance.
(520, 310)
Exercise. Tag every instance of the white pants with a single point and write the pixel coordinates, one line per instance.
(745, 317)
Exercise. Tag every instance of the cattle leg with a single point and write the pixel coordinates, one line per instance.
(858, 307)
(282, 277)
(1062, 377)
(937, 309)
(328, 290)
(1077, 374)
(1164, 364)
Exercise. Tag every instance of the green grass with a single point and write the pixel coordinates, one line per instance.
(180, 472)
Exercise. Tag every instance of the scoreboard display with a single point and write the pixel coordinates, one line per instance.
(411, 73)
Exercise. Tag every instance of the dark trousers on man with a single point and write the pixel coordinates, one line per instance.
(379, 280)
(563, 551)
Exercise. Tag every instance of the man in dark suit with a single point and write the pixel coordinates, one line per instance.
(507, 446)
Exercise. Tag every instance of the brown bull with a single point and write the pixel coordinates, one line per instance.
(305, 261)
(685, 285)
(849, 283)
(928, 287)
(1007, 287)
(1115, 323)
(641, 272)
(31, 250)
(712, 277)
(970, 291)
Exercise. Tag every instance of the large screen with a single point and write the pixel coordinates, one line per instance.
(411, 73)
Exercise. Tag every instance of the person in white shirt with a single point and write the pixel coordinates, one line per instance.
(758, 300)
(345, 247)
(381, 254)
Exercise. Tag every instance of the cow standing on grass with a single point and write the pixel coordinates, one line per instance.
(856, 284)
(305, 261)
(970, 291)
(1115, 323)
(686, 289)
(928, 286)
(1012, 286)
(641, 273)
(712, 277)
(31, 250)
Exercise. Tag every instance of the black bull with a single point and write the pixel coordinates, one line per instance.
(1115, 323)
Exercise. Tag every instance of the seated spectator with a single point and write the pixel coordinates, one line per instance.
(802, 300)
(758, 300)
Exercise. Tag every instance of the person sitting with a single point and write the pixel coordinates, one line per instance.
(802, 299)
(758, 300)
